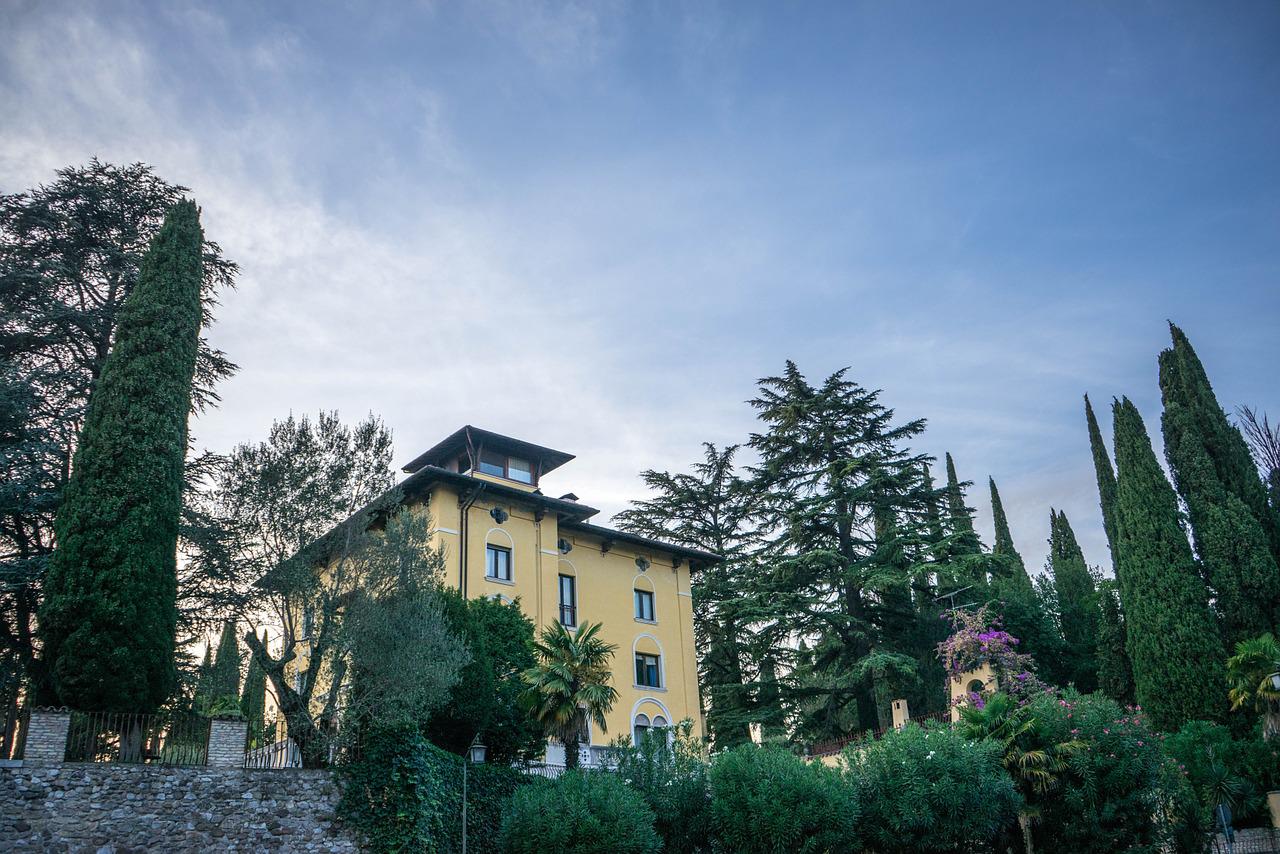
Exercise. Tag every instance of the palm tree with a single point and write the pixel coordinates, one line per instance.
(1249, 674)
(570, 684)
(1033, 765)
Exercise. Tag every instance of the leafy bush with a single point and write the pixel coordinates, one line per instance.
(931, 790)
(405, 794)
(486, 699)
(580, 812)
(672, 778)
(1120, 792)
(765, 800)
(1220, 768)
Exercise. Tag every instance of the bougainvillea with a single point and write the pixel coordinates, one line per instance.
(977, 639)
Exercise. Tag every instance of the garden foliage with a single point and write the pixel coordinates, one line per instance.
(580, 812)
(405, 794)
(929, 789)
(768, 801)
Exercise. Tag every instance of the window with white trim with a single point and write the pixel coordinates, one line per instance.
(497, 563)
(644, 605)
(648, 670)
(568, 601)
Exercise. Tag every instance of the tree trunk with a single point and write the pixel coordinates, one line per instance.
(570, 749)
(295, 708)
(1024, 822)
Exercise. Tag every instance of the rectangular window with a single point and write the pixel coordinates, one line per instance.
(519, 470)
(647, 670)
(568, 601)
(494, 464)
(497, 563)
(644, 605)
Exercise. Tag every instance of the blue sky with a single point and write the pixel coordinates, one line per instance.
(595, 225)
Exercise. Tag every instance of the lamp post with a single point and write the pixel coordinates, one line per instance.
(475, 753)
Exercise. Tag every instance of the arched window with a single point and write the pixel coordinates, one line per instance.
(640, 730)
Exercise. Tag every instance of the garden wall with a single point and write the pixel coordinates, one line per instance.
(89, 807)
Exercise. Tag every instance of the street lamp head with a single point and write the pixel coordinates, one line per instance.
(1275, 681)
(476, 752)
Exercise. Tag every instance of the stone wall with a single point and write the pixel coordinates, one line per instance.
(126, 808)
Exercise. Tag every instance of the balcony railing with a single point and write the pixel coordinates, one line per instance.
(568, 615)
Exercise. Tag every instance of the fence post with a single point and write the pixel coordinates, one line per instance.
(227, 738)
(47, 735)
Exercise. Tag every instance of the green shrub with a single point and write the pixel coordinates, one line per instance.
(1219, 767)
(672, 778)
(765, 800)
(1121, 792)
(931, 790)
(580, 812)
(405, 794)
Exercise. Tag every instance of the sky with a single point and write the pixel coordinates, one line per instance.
(595, 225)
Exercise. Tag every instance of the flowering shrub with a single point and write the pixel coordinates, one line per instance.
(1120, 792)
(977, 639)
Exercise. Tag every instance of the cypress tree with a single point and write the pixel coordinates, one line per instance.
(959, 516)
(224, 681)
(1173, 641)
(1223, 441)
(1077, 602)
(1106, 481)
(110, 615)
(1004, 547)
(1226, 501)
(253, 700)
(1115, 675)
(201, 699)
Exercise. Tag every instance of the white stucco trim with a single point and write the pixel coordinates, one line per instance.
(662, 663)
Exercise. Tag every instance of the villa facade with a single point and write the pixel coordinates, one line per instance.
(504, 538)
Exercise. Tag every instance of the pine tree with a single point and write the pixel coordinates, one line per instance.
(1004, 548)
(1106, 481)
(711, 509)
(109, 618)
(253, 700)
(224, 680)
(1077, 602)
(1173, 641)
(1214, 473)
(1115, 675)
(834, 468)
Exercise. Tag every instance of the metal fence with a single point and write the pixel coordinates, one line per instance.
(1249, 841)
(13, 737)
(160, 739)
(834, 746)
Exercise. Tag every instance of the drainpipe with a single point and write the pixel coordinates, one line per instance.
(464, 506)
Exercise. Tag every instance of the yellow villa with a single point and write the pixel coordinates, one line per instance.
(504, 538)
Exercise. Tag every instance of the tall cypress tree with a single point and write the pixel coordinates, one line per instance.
(253, 699)
(959, 516)
(1173, 641)
(1115, 675)
(1225, 498)
(1106, 481)
(109, 617)
(1223, 441)
(1004, 548)
(1077, 602)
(224, 680)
